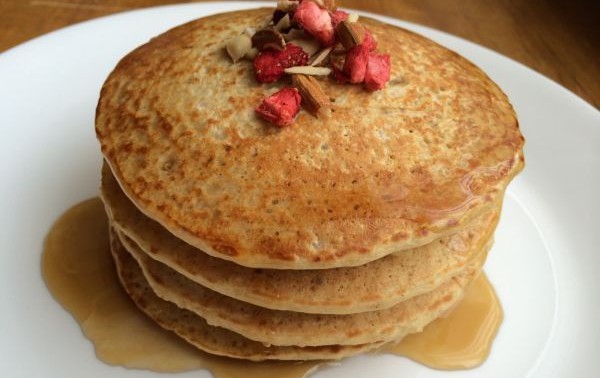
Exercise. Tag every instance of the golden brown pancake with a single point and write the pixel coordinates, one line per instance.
(215, 340)
(377, 285)
(388, 171)
(274, 327)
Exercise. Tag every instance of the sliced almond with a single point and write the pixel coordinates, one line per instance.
(350, 34)
(287, 6)
(251, 54)
(309, 45)
(308, 70)
(295, 34)
(268, 39)
(352, 17)
(238, 46)
(320, 57)
(283, 23)
(313, 97)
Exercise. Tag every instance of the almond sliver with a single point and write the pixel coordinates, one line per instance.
(309, 45)
(238, 46)
(284, 23)
(352, 17)
(321, 56)
(308, 70)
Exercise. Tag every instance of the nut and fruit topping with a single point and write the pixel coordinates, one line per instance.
(352, 17)
(281, 107)
(378, 71)
(364, 65)
(238, 47)
(320, 57)
(297, 34)
(312, 94)
(308, 70)
(337, 17)
(355, 65)
(269, 65)
(251, 54)
(308, 39)
(309, 45)
(316, 21)
(268, 39)
(350, 34)
(284, 23)
(287, 6)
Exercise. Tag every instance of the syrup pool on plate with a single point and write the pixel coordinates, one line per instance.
(79, 272)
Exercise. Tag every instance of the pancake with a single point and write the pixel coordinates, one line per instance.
(388, 171)
(293, 328)
(377, 285)
(214, 340)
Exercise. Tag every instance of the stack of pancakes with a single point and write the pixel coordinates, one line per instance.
(321, 240)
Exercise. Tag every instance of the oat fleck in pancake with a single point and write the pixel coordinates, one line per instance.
(377, 285)
(388, 171)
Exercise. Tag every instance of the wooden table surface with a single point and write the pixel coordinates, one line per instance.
(560, 39)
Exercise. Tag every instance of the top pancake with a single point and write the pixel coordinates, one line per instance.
(389, 170)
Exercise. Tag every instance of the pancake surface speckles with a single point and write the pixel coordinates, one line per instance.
(377, 285)
(390, 170)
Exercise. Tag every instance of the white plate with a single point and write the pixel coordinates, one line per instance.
(545, 265)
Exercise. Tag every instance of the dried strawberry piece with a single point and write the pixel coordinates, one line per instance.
(337, 17)
(355, 65)
(269, 65)
(358, 59)
(339, 75)
(369, 42)
(378, 71)
(315, 21)
(281, 107)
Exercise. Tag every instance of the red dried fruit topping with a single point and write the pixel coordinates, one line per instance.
(269, 65)
(281, 107)
(321, 20)
(339, 75)
(369, 41)
(315, 21)
(337, 17)
(378, 71)
(355, 65)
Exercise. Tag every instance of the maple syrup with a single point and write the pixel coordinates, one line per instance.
(79, 272)
(463, 338)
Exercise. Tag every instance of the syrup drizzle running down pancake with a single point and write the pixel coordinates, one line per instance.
(79, 270)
